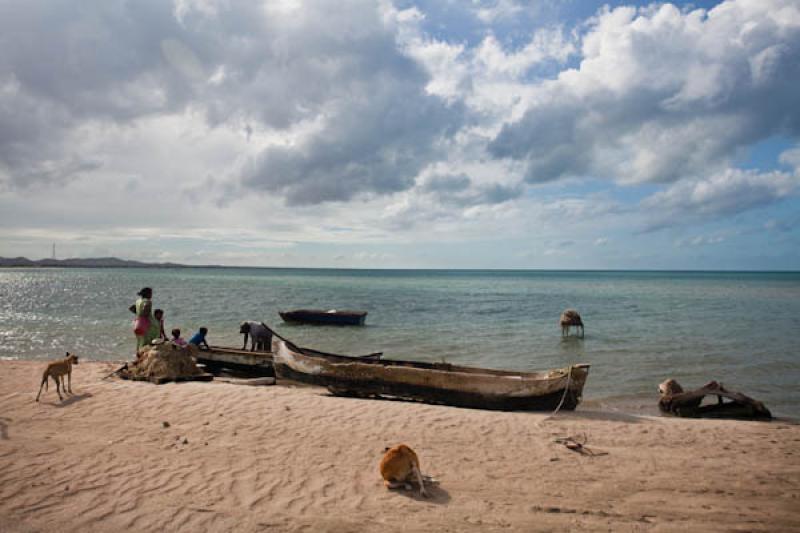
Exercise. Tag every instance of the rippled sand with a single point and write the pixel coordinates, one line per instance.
(239, 458)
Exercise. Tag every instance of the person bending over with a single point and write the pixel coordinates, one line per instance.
(199, 338)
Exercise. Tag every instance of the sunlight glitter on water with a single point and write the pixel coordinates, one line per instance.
(641, 327)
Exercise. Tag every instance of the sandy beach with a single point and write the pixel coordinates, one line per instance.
(219, 456)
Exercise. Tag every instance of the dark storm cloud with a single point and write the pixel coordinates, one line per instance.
(381, 129)
(458, 190)
(243, 65)
(65, 65)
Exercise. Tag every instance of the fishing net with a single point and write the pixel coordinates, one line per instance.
(164, 361)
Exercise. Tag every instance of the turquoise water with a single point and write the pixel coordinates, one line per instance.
(641, 327)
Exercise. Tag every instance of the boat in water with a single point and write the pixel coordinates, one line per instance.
(436, 383)
(332, 317)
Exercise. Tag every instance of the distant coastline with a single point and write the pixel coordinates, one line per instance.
(115, 262)
(94, 262)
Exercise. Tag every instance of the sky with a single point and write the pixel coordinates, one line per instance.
(502, 134)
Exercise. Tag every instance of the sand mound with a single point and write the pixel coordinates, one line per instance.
(165, 361)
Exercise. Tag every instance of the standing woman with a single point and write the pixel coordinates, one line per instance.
(145, 326)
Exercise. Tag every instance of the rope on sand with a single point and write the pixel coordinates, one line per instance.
(579, 446)
(563, 396)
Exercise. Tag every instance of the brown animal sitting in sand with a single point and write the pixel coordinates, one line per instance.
(398, 466)
(570, 317)
(57, 370)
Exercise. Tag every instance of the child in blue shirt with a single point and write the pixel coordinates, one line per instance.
(199, 338)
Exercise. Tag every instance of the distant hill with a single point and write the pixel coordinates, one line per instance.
(94, 262)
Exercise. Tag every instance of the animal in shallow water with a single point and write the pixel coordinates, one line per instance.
(399, 466)
(260, 335)
(569, 318)
(57, 370)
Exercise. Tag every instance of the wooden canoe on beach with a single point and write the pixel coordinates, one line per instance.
(252, 363)
(331, 317)
(217, 358)
(437, 383)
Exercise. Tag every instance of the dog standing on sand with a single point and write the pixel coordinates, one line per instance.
(57, 370)
(398, 466)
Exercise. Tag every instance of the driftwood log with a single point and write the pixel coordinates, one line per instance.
(674, 400)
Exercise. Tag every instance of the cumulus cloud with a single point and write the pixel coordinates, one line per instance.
(661, 94)
(342, 110)
(457, 189)
(380, 118)
(700, 241)
(729, 192)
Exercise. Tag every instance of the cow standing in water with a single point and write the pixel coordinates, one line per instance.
(570, 318)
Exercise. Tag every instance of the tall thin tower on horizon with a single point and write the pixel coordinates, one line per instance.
(54, 250)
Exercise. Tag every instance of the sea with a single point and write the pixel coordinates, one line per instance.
(641, 327)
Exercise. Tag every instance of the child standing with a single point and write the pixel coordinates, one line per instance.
(158, 314)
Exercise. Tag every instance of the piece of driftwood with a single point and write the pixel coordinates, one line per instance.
(674, 400)
(253, 382)
(162, 380)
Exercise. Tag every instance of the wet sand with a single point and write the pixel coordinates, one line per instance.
(275, 458)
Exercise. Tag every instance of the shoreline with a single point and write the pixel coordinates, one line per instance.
(279, 458)
(645, 405)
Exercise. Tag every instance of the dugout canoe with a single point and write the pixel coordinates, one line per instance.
(253, 363)
(436, 383)
(218, 358)
(332, 317)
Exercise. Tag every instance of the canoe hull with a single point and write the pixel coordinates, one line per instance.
(434, 383)
(218, 358)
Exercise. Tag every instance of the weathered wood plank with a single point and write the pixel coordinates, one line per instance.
(162, 380)
(242, 361)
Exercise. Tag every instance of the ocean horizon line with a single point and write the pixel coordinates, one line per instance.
(77, 262)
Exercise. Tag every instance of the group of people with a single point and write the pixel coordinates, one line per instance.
(149, 324)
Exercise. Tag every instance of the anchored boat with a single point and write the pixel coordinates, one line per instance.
(332, 317)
